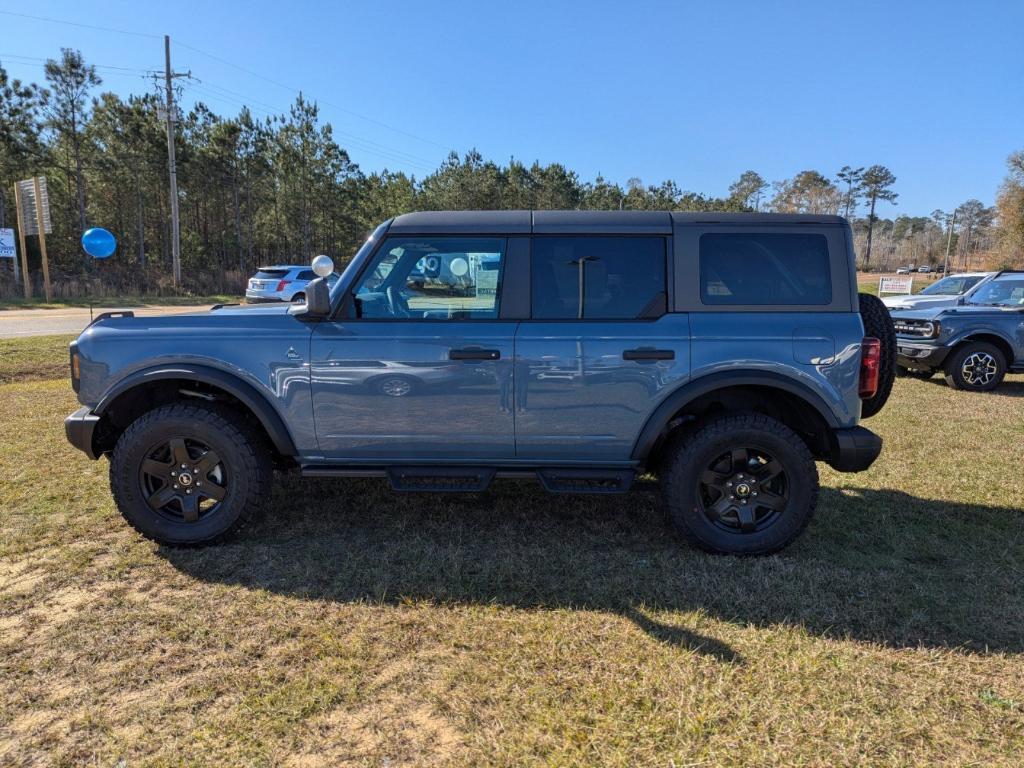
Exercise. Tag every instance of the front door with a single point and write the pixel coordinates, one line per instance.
(600, 352)
(422, 366)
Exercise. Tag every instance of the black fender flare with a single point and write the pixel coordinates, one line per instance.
(687, 393)
(246, 393)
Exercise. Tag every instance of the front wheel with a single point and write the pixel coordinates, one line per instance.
(189, 473)
(975, 367)
(742, 484)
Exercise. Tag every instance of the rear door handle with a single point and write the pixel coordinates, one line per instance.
(474, 353)
(647, 354)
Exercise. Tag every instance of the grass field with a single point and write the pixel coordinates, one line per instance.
(352, 626)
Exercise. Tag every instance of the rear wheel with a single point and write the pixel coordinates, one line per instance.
(975, 367)
(878, 323)
(189, 473)
(742, 484)
(299, 298)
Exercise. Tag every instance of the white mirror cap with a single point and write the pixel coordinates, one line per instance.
(323, 266)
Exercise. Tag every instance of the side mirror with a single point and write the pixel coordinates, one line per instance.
(318, 298)
(318, 291)
(961, 301)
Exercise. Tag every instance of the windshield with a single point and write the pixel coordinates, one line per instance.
(954, 285)
(371, 241)
(999, 293)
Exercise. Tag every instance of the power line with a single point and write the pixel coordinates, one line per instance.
(31, 59)
(224, 61)
(321, 101)
(77, 24)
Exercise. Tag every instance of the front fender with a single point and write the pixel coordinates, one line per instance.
(246, 393)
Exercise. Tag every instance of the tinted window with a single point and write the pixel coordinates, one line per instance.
(764, 268)
(622, 278)
(271, 274)
(306, 274)
(446, 278)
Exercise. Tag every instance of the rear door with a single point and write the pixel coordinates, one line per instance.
(421, 365)
(600, 350)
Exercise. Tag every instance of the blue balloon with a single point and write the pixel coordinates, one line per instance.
(98, 243)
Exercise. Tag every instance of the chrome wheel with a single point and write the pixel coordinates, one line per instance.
(979, 369)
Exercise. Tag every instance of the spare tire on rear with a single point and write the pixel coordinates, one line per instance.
(878, 323)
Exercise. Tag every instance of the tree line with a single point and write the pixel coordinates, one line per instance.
(282, 188)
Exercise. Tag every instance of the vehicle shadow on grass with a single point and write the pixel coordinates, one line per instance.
(1010, 387)
(875, 565)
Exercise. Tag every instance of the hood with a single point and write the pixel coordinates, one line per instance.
(917, 301)
(965, 310)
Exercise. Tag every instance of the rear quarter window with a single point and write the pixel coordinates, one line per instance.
(764, 268)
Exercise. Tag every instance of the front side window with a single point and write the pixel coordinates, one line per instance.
(430, 278)
(597, 278)
(764, 268)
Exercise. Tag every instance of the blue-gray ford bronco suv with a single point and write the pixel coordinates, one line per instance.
(723, 353)
(974, 344)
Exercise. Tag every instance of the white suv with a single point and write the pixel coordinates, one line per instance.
(942, 293)
(281, 283)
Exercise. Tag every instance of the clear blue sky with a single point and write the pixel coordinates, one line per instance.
(695, 92)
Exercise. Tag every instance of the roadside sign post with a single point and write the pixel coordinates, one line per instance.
(40, 203)
(26, 281)
(33, 204)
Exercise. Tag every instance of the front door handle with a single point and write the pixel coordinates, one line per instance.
(474, 353)
(646, 354)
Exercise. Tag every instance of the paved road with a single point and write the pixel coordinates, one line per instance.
(15, 323)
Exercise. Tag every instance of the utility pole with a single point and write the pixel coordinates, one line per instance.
(949, 241)
(175, 224)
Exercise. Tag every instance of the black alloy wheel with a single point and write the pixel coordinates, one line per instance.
(744, 490)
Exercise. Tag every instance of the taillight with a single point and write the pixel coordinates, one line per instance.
(281, 285)
(870, 363)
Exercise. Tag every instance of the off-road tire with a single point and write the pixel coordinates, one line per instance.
(686, 458)
(953, 368)
(878, 323)
(244, 454)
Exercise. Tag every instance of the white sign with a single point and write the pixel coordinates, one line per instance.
(901, 285)
(27, 190)
(7, 244)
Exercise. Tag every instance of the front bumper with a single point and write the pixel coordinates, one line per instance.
(854, 449)
(80, 427)
(919, 356)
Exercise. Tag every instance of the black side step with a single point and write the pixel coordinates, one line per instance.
(586, 480)
(440, 479)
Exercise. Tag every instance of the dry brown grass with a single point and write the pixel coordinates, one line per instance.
(352, 626)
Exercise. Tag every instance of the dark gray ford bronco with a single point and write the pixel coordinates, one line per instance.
(723, 353)
(974, 344)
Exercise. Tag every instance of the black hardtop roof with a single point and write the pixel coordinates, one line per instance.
(583, 222)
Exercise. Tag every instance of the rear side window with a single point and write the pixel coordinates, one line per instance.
(762, 268)
(306, 274)
(597, 278)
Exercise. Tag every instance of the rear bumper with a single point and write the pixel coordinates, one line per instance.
(80, 427)
(909, 355)
(854, 449)
(254, 297)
